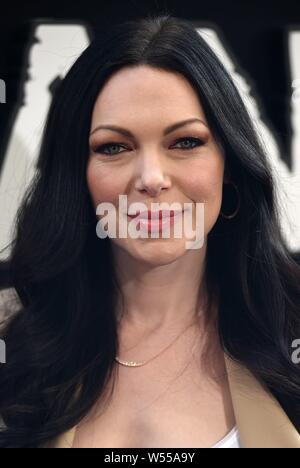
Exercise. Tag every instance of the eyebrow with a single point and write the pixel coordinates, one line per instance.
(127, 133)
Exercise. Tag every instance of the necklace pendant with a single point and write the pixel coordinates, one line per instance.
(130, 363)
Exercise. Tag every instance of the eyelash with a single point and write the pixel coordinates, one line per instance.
(197, 142)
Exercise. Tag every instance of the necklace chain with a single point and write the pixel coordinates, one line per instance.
(132, 363)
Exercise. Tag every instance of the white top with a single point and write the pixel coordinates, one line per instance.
(231, 440)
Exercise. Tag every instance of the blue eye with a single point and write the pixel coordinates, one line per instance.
(196, 141)
(102, 149)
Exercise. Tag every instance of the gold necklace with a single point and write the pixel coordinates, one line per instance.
(143, 363)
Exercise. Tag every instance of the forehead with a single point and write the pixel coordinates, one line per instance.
(141, 91)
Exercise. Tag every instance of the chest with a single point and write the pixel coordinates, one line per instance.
(162, 406)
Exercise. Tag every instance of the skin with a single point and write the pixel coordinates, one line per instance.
(160, 278)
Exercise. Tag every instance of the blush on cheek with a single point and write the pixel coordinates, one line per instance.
(198, 188)
(205, 180)
(102, 186)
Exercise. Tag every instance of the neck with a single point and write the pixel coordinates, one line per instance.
(161, 296)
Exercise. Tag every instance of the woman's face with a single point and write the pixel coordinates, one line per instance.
(151, 166)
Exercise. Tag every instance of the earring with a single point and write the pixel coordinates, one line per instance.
(230, 216)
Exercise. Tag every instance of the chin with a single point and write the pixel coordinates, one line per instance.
(159, 254)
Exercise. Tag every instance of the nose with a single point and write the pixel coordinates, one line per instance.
(152, 178)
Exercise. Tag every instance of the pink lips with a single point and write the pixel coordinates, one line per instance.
(157, 221)
(156, 215)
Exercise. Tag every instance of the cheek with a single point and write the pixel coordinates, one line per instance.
(102, 185)
(204, 181)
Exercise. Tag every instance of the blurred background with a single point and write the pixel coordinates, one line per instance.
(258, 41)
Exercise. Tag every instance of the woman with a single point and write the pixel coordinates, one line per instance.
(210, 329)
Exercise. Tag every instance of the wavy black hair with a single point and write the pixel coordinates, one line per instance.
(62, 341)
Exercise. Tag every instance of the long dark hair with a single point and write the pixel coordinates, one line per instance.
(62, 342)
